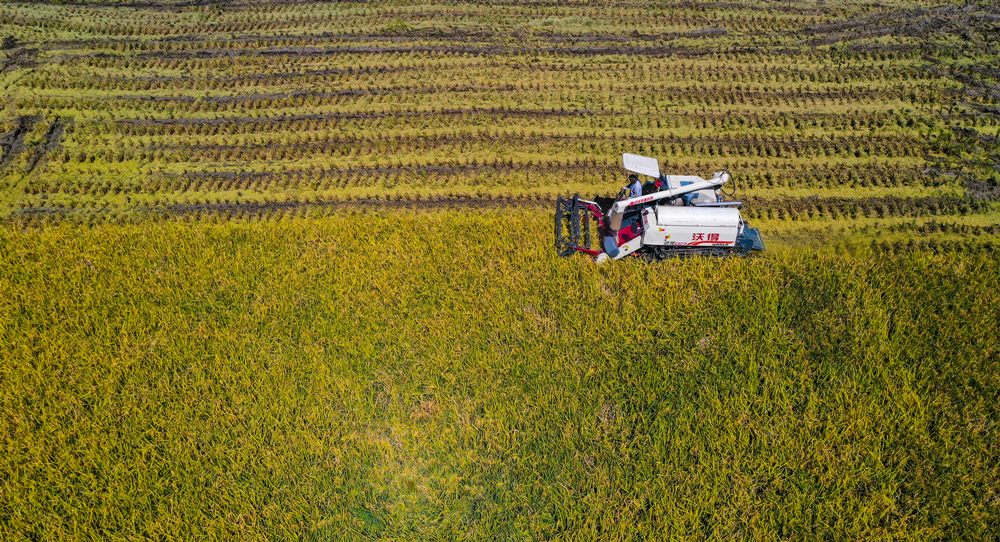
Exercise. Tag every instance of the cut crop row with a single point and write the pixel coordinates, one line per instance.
(748, 73)
(535, 175)
(936, 246)
(652, 100)
(727, 126)
(755, 70)
(215, 209)
(333, 77)
(399, 149)
(934, 226)
(876, 207)
(224, 209)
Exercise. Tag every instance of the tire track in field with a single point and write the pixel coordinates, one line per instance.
(50, 143)
(12, 143)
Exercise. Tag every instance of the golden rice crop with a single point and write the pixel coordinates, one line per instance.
(443, 374)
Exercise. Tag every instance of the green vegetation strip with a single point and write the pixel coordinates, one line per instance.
(444, 376)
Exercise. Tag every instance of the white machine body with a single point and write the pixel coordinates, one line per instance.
(686, 212)
(666, 225)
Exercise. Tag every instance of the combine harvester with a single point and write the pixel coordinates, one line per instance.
(676, 216)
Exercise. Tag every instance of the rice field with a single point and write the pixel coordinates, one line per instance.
(298, 379)
(285, 271)
(112, 111)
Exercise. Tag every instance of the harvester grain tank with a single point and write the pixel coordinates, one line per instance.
(676, 215)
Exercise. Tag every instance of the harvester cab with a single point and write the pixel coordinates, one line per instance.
(681, 215)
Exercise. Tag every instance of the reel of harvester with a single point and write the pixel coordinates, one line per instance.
(573, 224)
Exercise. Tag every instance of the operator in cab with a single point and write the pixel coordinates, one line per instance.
(634, 186)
